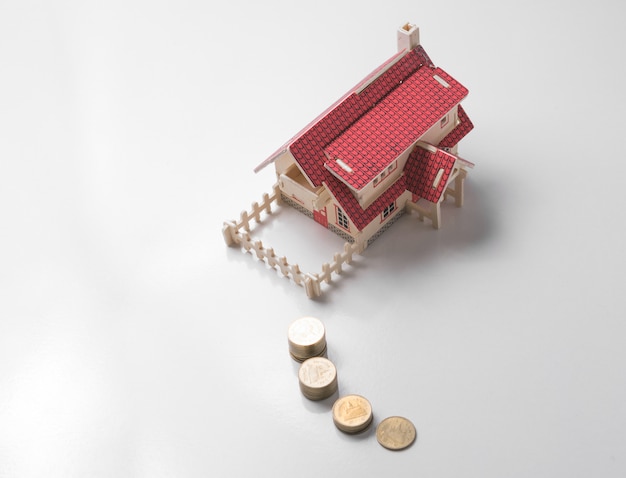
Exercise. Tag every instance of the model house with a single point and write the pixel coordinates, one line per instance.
(387, 146)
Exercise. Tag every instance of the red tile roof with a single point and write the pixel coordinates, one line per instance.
(308, 147)
(422, 169)
(390, 127)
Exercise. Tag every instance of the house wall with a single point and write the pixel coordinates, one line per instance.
(369, 193)
(379, 222)
(294, 189)
(283, 162)
(294, 184)
(437, 132)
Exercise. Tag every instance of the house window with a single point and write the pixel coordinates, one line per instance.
(444, 121)
(342, 219)
(388, 210)
(384, 173)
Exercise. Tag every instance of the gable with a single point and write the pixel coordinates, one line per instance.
(362, 217)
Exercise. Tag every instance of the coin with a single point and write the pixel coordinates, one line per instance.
(395, 433)
(323, 353)
(352, 413)
(318, 378)
(307, 338)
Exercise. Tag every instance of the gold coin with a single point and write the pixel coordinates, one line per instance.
(395, 433)
(318, 378)
(352, 413)
(323, 353)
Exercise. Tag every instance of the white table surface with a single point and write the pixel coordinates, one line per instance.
(134, 343)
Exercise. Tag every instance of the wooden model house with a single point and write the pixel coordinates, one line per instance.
(389, 145)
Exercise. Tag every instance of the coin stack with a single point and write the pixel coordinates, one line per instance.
(318, 378)
(352, 414)
(307, 338)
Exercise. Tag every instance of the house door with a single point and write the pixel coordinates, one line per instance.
(320, 216)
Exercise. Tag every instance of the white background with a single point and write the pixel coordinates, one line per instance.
(134, 343)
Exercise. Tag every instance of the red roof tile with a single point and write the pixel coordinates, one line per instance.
(422, 169)
(308, 147)
(392, 126)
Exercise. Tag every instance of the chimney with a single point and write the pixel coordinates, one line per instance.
(408, 37)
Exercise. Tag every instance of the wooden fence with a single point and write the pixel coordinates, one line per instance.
(238, 234)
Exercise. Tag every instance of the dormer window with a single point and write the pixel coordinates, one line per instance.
(444, 121)
(384, 174)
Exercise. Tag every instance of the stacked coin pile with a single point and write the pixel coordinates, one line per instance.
(352, 414)
(318, 378)
(307, 338)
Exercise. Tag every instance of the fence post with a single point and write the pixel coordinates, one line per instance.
(338, 260)
(348, 250)
(267, 203)
(277, 194)
(228, 231)
(312, 286)
(245, 221)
